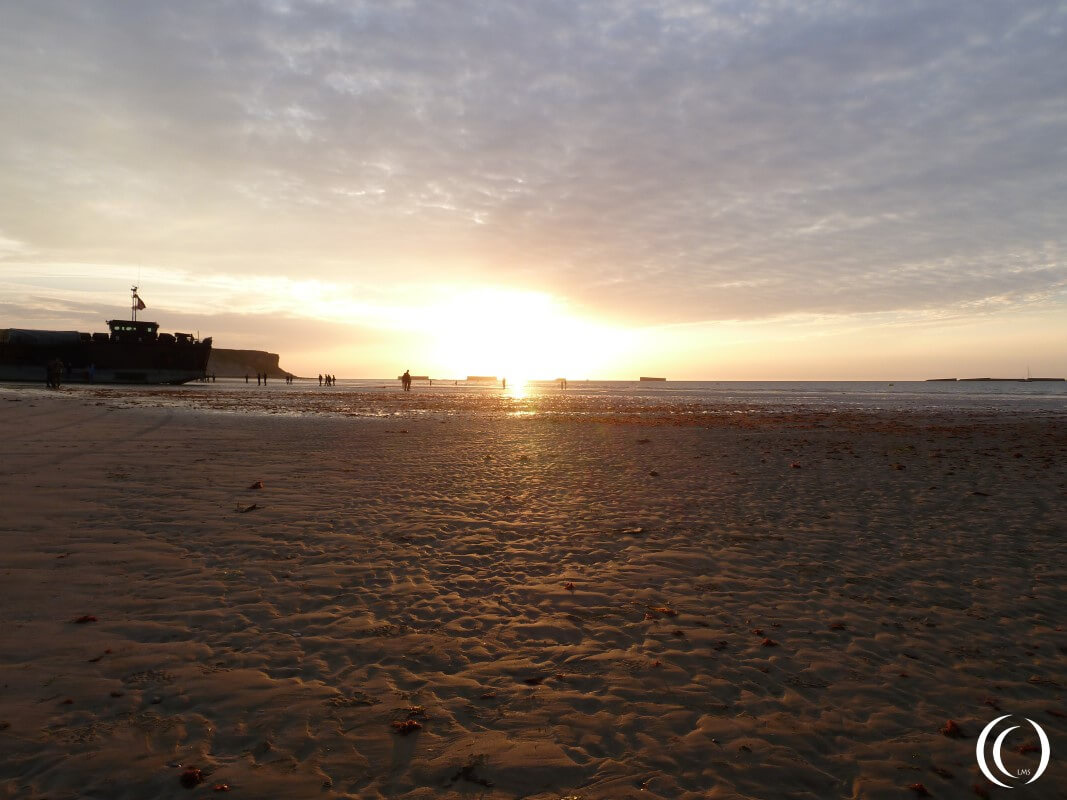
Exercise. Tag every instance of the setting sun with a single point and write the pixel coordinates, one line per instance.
(516, 335)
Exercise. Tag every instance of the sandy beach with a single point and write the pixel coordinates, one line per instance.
(758, 606)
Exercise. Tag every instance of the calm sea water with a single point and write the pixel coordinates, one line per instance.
(383, 398)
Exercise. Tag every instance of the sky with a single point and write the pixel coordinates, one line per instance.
(721, 190)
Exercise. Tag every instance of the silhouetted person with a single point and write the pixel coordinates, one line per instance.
(405, 380)
(320, 379)
(246, 377)
(55, 373)
(504, 383)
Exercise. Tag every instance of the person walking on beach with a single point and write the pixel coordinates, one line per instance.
(320, 379)
(55, 373)
(405, 380)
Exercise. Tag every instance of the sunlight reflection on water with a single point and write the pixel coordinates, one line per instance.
(381, 399)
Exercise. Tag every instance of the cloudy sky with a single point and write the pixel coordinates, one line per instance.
(715, 189)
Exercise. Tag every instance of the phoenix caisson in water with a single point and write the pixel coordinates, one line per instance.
(133, 351)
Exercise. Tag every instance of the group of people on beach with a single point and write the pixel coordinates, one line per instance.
(54, 373)
(405, 380)
(327, 380)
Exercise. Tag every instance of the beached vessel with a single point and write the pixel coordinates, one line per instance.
(132, 351)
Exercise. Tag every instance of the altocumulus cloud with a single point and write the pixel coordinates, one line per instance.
(660, 161)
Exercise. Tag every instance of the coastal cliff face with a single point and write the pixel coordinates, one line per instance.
(238, 363)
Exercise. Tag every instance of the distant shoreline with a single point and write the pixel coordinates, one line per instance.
(997, 380)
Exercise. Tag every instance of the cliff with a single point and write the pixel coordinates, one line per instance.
(238, 363)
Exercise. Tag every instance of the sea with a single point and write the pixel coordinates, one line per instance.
(380, 398)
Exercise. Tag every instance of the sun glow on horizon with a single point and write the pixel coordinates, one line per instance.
(517, 335)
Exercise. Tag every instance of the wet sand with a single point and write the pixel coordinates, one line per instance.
(779, 605)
